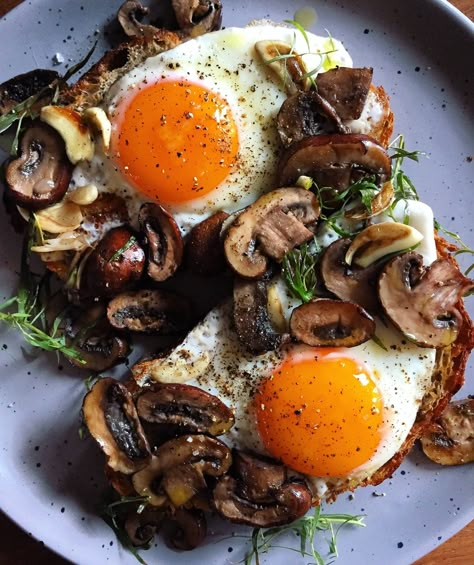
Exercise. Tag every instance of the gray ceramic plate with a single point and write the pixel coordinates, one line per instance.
(422, 52)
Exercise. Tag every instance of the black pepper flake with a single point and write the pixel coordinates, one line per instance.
(400, 545)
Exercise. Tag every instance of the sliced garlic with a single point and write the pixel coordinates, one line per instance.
(70, 241)
(275, 310)
(290, 70)
(76, 135)
(179, 367)
(380, 202)
(83, 195)
(379, 240)
(99, 121)
(60, 218)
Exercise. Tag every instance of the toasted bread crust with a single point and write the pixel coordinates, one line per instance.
(91, 88)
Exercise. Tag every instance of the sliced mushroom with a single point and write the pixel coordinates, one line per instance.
(350, 282)
(21, 87)
(204, 251)
(346, 89)
(186, 529)
(141, 527)
(115, 265)
(334, 161)
(76, 135)
(269, 228)
(150, 311)
(422, 301)
(331, 323)
(379, 240)
(130, 15)
(274, 505)
(306, 114)
(175, 458)
(40, 176)
(112, 420)
(451, 442)
(196, 17)
(251, 317)
(165, 244)
(89, 333)
(261, 477)
(184, 409)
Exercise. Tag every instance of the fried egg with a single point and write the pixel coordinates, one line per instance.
(333, 415)
(194, 127)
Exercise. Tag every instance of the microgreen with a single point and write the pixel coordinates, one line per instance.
(299, 270)
(305, 528)
(462, 248)
(26, 311)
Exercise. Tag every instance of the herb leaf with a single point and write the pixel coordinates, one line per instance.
(25, 311)
(262, 540)
(299, 271)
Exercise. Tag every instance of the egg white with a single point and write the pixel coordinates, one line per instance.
(224, 62)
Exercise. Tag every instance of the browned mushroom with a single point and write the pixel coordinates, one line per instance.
(331, 323)
(141, 527)
(21, 87)
(112, 420)
(335, 161)
(350, 282)
(451, 441)
(186, 529)
(204, 251)
(196, 17)
(346, 89)
(130, 15)
(306, 114)
(183, 409)
(150, 311)
(176, 471)
(115, 265)
(269, 228)
(422, 301)
(40, 176)
(88, 332)
(165, 244)
(251, 317)
(280, 502)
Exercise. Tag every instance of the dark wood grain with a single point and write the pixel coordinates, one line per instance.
(19, 548)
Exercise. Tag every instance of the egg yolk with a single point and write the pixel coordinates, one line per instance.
(321, 416)
(175, 141)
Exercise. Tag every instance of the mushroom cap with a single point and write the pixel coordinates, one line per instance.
(270, 227)
(423, 301)
(331, 323)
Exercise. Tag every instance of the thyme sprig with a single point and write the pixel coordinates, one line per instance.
(299, 270)
(462, 248)
(25, 311)
(306, 529)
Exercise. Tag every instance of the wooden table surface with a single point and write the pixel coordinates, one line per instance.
(19, 548)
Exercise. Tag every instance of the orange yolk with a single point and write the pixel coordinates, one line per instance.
(175, 141)
(320, 415)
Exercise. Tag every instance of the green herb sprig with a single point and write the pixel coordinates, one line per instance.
(26, 312)
(299, 270)
(306, 529)
(132, 239)
(462, 248)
